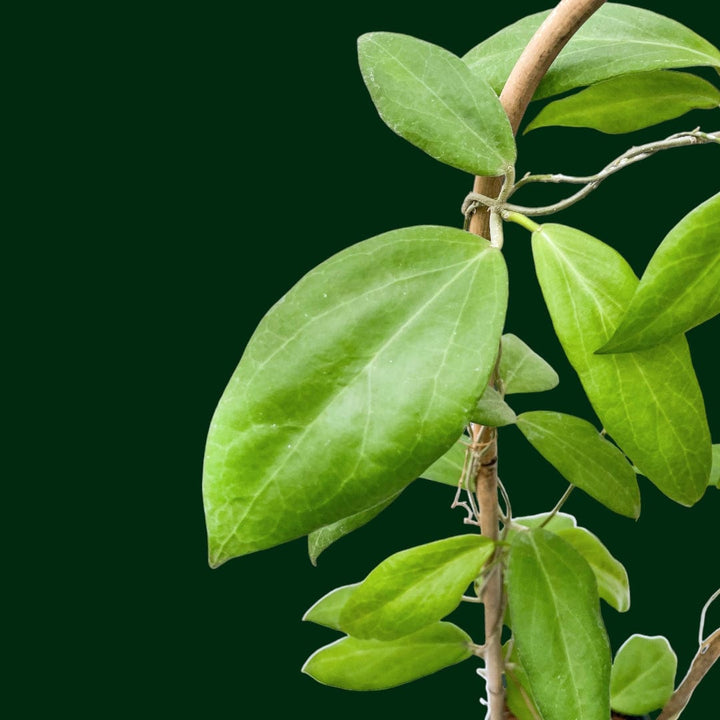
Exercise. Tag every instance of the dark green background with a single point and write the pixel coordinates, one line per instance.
(188, 165)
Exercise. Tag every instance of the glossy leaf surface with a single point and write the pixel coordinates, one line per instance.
(522, 370)
(612, 578)
(630, 102)
(355, 664)
(321, 539)
(448, 468)
(567, 662)
(584, 458)
(326, 611)
(492, 410)
(428, 96)
(680, 287)
(415, 587)
(643, 675)
(353, 384)
(616, 40)
(648, 401)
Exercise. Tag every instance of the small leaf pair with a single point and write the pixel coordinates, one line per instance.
(393, 617)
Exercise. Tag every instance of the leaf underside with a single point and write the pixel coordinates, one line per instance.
(648, 401)
(354, 383)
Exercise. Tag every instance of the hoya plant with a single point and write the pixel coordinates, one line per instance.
(391, 361)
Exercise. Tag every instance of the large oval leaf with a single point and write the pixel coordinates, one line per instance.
(522, 370)
(616, 40)
(415, 587)
(630, 102)
(643, 675)
(584, 458)
(649, 401)
(559, 634)
(680, 287)
(355, 382)
(354, 664)
(428, 96)
(321, 539)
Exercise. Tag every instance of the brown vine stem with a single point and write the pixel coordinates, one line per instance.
(550, 38)
(705, 658)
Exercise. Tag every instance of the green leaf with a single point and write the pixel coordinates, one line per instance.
(715, 471)
(648, 401)
(492, 410)
(559, 521)
(643, 675)
(630, 102)
(321, 539)
(611, 576)
(448, 468)
(326, 611)
(518, 695)
(567, 661)
(616, 40)
(680, 287)
(428, 96)
(415, 587)
(355, 382)
(584, 458)
(354, 664)
(522, 370)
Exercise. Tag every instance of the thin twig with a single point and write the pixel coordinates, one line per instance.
(590, 182)
(556, 509)
(704, 659)
(712, 599)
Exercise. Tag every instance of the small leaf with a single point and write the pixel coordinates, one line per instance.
(415, 587)
(428, 96)
(492, 410)
(715, 471)
(643, 675)
(567, 661)
(611, 576)
(355, 382)
(584, 458)
(559, 521)
(448, 468)
(616, 40)
(354, 664)
(518, 695)
(321, 539)
(630, 102)
(326, 611)
(680, 287)
(522, 370)
(648, 401)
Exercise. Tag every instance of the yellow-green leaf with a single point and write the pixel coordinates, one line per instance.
(648, 401)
